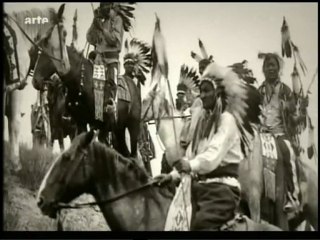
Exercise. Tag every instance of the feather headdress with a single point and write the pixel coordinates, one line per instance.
(189, 80)
(243, 72)
(204, 54)
(139, 53)
(242, 99)
(125, 11)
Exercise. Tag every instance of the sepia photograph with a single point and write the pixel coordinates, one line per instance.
(150, 116)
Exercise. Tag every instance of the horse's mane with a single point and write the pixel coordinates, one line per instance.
(129, 164)
(35, 31)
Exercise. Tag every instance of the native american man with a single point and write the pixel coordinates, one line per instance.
(214, 154)
(279, 112)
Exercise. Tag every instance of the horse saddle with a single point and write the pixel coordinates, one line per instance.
(269, 158)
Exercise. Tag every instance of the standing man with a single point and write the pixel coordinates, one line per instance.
(279, 112)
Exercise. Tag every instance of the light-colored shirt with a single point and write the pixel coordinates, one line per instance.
(219, 149)
(271, 111)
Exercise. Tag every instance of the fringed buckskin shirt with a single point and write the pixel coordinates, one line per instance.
(110, 39)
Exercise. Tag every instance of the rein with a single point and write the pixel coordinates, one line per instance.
(110, 200)
(59, 206)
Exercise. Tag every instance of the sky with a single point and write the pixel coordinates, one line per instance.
(231, 32)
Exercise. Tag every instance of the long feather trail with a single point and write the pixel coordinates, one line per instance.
(285, 40)
(296, 52)
(158, 53)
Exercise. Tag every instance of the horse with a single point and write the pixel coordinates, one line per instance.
(60, 123)
(49, 31)
(127, 197)
(80, 100)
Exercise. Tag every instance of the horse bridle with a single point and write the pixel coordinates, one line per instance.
(36, 45)
(40, 50)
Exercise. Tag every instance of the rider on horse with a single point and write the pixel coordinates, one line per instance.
(106, 34)
(214, 154)
(279, 112)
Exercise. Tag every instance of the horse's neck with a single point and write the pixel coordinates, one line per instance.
(143, 210)
(73, 78)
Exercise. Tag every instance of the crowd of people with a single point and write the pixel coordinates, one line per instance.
(217, 146)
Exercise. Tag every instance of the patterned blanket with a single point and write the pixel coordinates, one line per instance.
(269, 157)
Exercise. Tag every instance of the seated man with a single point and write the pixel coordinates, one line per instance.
(213, 156)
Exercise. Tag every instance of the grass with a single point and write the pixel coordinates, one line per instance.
(10, 219)
(35, 164)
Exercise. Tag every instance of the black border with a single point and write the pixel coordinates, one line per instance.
(148, 235)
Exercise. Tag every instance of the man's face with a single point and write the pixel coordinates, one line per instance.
(129, 68)
(207, 95)
(271, 69)
(181, 96)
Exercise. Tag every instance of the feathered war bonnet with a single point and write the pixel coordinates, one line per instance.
(241, 99)
(205, 59)
(188, 81)
(138, 53)
(124, 10)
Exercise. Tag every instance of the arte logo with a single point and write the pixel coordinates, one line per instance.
(36, 20)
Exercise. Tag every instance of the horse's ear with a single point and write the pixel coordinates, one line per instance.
(88, 138)
(61, 10)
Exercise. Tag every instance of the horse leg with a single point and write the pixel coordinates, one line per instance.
(102, 136)
(14, 129)
(134, 134)
(61, 144)
(121, 141)
(254, 205)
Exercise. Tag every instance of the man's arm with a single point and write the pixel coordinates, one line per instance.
(219, 145)
(93, 33)
(114, 37)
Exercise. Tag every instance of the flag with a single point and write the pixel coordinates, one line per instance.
(158, 55)
(180, 210)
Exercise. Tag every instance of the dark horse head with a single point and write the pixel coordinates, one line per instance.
(91, 167)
